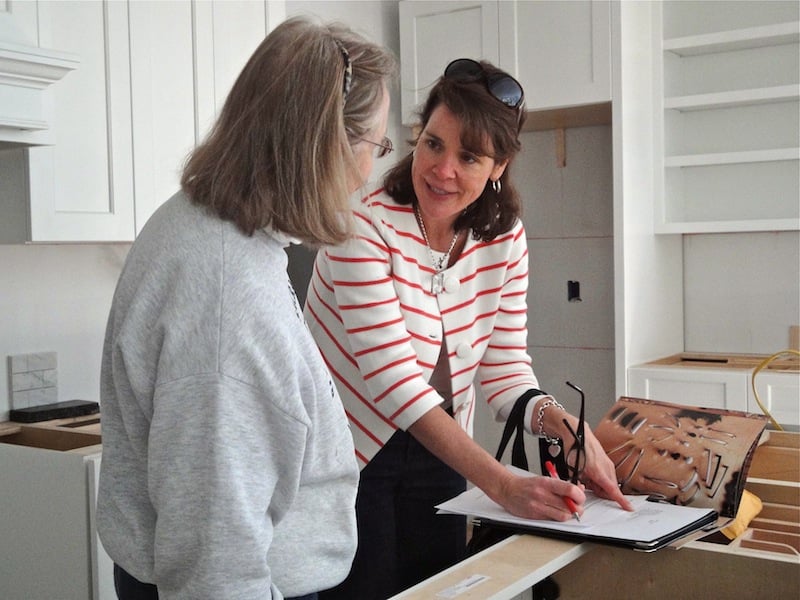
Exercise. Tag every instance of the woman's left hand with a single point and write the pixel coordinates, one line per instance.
(599, 474)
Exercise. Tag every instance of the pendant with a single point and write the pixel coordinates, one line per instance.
(554, 450)
(437, 283)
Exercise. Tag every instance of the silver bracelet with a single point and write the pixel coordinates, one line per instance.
(540, 418)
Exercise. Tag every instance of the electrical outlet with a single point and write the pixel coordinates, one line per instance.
(32, 379)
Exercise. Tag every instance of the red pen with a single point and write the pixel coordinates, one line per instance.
(567, 500)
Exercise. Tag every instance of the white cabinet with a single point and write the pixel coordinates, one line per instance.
(162, 100)
(434, 33)
(153, 76)
(728, 133)
(558, 50)
(185, 57)
(779, 393)
(18, 22)
(81, 188)
(729, 385)
(709, 388)
(47, 502)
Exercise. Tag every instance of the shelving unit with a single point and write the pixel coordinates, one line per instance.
(727, 132)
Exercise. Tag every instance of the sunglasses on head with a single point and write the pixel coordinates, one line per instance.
(500, 85)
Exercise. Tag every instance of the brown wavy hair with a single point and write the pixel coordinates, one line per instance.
(280, 153)
(483, 119)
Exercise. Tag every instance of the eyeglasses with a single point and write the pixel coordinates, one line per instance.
(576, 457)
(385, 146)
(500, 85)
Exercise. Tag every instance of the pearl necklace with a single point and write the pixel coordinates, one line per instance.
(440, 263)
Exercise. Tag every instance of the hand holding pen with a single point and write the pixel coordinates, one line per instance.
(569, 502)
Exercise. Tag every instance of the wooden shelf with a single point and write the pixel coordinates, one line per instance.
(564, 118)
(726, 361)
(774, 477)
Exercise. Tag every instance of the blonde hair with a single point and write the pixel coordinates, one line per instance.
(280, 153)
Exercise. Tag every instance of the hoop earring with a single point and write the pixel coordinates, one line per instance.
(497, 186)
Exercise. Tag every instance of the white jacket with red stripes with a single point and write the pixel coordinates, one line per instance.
(379, 326)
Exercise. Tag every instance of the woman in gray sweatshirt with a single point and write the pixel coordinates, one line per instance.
(228, 467)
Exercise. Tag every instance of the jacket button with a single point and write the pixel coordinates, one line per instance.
(463, 350)
(452, 285)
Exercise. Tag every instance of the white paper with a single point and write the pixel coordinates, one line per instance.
(601, 518)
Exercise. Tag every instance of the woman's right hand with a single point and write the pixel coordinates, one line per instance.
(540, 497)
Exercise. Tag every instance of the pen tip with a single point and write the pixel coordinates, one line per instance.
(577, 516)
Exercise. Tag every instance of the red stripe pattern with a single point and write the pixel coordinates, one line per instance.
(380, 329)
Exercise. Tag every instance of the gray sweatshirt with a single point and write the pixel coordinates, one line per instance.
(228, 467)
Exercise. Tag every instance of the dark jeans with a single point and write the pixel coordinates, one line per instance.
(401, 539)
(130, 588)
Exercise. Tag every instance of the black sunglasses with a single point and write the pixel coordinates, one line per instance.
(500, 85)
(576, 457)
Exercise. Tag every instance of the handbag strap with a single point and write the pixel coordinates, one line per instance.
(515, 424)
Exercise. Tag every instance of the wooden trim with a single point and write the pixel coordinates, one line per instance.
(573, 116)
(727, 361)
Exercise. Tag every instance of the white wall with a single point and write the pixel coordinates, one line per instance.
(57, 298)
(568, 221)
(741, 291)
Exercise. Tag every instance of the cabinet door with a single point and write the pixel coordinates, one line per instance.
(18, 22)
(189, 54)
(693, 387)
(434, 33)
(559, 51)
(779, 393)
(227, 32)
(162, 92)
(44, 520)
(81, 188)
(102, 567)
(152, 78)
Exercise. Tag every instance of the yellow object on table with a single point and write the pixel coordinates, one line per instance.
(749, 507)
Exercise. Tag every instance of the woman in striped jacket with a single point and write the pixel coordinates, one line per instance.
(427, 300)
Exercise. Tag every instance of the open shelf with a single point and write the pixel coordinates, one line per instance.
(726, 158)
(738, 39)
(728, 117)
(780, 93)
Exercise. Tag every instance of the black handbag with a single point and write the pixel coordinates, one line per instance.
(485, 535)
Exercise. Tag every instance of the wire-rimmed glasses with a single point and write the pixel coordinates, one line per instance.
(385, 146)
(576, 456)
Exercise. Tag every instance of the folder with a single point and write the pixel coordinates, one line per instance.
(651, 526)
